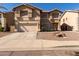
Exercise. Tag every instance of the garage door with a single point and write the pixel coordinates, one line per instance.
(28, 27)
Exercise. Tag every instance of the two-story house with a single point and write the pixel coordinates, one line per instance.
(27, 18)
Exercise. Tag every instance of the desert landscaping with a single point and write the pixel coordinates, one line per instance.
(39, 44)
(4, 34)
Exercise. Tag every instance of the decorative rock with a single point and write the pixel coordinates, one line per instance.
(61, 34)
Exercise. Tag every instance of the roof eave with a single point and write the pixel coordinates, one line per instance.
(26, 5)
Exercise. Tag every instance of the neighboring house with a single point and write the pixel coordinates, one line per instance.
(2, 19)
(69, 21)
(27, 18)
(9, 16)
(6, 20)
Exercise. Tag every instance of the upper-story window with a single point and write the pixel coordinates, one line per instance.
(55, 15)
(44, 15)
(23, 13)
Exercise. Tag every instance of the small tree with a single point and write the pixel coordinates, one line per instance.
(1, 29)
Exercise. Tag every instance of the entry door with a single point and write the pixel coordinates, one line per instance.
(64, 28)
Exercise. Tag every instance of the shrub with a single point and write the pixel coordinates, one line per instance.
(1, 29)
(47, 30)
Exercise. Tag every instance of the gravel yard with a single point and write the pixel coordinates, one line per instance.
(70, 36)
(4, 33)
(40, 53)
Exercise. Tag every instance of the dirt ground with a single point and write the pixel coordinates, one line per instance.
(70, 36)
(40, 53)
(4, 33)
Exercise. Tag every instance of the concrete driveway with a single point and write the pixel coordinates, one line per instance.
(22, 41)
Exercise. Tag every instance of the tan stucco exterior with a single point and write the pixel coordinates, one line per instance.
(70, 18)
(3, 21)
(32, 18)
(54, 18)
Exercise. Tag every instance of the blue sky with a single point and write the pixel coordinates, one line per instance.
(45, 6)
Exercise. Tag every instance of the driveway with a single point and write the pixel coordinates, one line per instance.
(22, 41)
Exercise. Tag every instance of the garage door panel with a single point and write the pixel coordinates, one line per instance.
(31, 24)
(28, 27)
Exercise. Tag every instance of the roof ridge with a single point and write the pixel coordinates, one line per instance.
(29, 5)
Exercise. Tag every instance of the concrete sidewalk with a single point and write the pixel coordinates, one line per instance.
(28, 41)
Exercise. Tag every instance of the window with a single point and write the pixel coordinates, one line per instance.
(23, 13)
(44, 15)
(55, 15)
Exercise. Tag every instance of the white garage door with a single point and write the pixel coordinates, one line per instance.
(28, 27)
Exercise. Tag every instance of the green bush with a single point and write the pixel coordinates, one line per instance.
(1, 29)
(47, 30)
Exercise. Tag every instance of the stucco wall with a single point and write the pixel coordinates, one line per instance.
(3, 20)
(45, 23)
(23, 8)
(9, 20)
(70, 18)
(54, 17)
(33, 14)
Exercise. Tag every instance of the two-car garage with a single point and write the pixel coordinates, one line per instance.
(26, 27)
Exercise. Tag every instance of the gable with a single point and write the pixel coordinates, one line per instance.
(25, 6)
(56, 10)
(67, 12)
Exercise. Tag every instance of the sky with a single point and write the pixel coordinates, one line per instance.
(44, 6)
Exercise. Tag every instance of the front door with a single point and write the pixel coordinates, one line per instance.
(64, 28)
